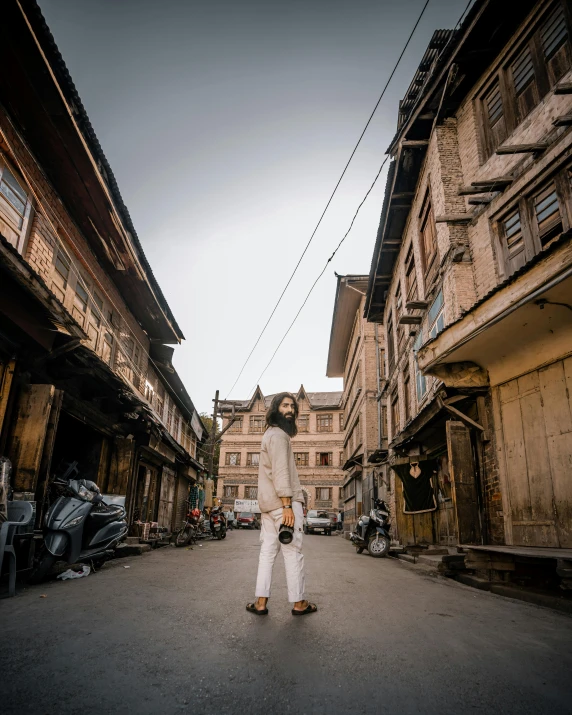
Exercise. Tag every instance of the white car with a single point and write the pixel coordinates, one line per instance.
(317, 522)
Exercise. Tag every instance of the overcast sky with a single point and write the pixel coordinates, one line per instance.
(227, 124)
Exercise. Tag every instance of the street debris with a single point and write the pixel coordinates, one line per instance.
(43, 595)
(127, 567)
(70, 573)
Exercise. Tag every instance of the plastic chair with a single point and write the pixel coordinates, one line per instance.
(20, 513)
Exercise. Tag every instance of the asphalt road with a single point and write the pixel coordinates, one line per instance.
(170, 634)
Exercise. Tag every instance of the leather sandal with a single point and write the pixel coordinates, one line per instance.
(251, 607)
(310, 608)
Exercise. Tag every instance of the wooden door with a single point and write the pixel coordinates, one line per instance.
(166, 498)
(536, 416)
(26, 442)
(463, 484)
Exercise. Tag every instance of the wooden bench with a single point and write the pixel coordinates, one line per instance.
(495, 563)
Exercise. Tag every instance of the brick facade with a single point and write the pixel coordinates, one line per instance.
(451, 357)
(245, 439)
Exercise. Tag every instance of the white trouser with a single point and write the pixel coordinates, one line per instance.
(292, 552)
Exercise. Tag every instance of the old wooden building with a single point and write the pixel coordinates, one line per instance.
(318, 448)
(471, 279)
(357, 353)
(86, 368)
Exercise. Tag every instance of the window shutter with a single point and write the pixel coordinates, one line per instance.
(547, 214)
(524, 81)
(495, 118)
(514, 242)
(554, 39)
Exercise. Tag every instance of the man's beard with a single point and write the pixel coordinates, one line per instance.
(288, 425)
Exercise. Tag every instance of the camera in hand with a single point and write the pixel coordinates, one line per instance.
(286, 534)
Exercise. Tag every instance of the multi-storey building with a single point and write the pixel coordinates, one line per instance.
(357, 354)
(85, 362)
(472, 280)
(318, 448)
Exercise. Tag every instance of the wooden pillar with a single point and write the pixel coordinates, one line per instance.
(463, 484)
(26, 443)
(46, 463)
(6, 376)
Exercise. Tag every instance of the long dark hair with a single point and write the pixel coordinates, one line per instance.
(274, 417)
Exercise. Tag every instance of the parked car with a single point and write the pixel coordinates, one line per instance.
(246, 520)
(317, 522)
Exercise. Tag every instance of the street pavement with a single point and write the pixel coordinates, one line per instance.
(170, 634)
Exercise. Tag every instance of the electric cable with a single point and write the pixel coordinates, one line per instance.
(353, 219)
(331, 195)
(322, 271)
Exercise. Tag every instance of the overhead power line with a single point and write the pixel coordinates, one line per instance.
(322, 272)
(458, 24)
(332, 194)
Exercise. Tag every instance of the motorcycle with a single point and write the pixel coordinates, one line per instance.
(79, 525)
(372, 532)
(190, 530)
(218, 523)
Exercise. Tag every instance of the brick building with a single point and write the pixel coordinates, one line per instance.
(318, 449)
(357, 353)
(86, 335)
(471, 279)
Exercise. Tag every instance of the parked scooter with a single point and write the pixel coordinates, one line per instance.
(79, 525)
(218, 523)
(372, 532)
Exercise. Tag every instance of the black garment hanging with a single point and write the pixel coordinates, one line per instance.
(417, 480)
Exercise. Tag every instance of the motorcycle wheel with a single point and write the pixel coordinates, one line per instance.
(45, 563)
(359, 549)
(223, 535)
(378, 547)
(183, 537)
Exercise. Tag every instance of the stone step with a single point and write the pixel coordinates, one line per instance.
(131, 540)
(131, 550)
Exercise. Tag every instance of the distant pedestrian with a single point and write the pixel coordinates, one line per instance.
(281, 501)
(340, 521)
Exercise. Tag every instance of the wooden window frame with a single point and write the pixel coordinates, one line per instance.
(407, 394)
(319, 491)
(542, 83)
(391, 357)
(237, 425)
(231, 491)
(329, 417)
(303, 423)
(256, 424)
(395, 415)
(22, 230)
(249, 459)
(302, 459)
(427, 221)
(330, 460)
(249, 490)
(410, 275)
(532, 239)
(227, 460)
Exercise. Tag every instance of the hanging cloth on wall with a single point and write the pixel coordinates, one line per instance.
(209, 487)
(417, 480)
(194, 497)
(201, 498)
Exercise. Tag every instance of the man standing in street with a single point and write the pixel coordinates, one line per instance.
(281, 500)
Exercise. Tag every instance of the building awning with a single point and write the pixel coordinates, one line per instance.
(523, 323)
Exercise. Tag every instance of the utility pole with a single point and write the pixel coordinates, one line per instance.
(213, 436)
